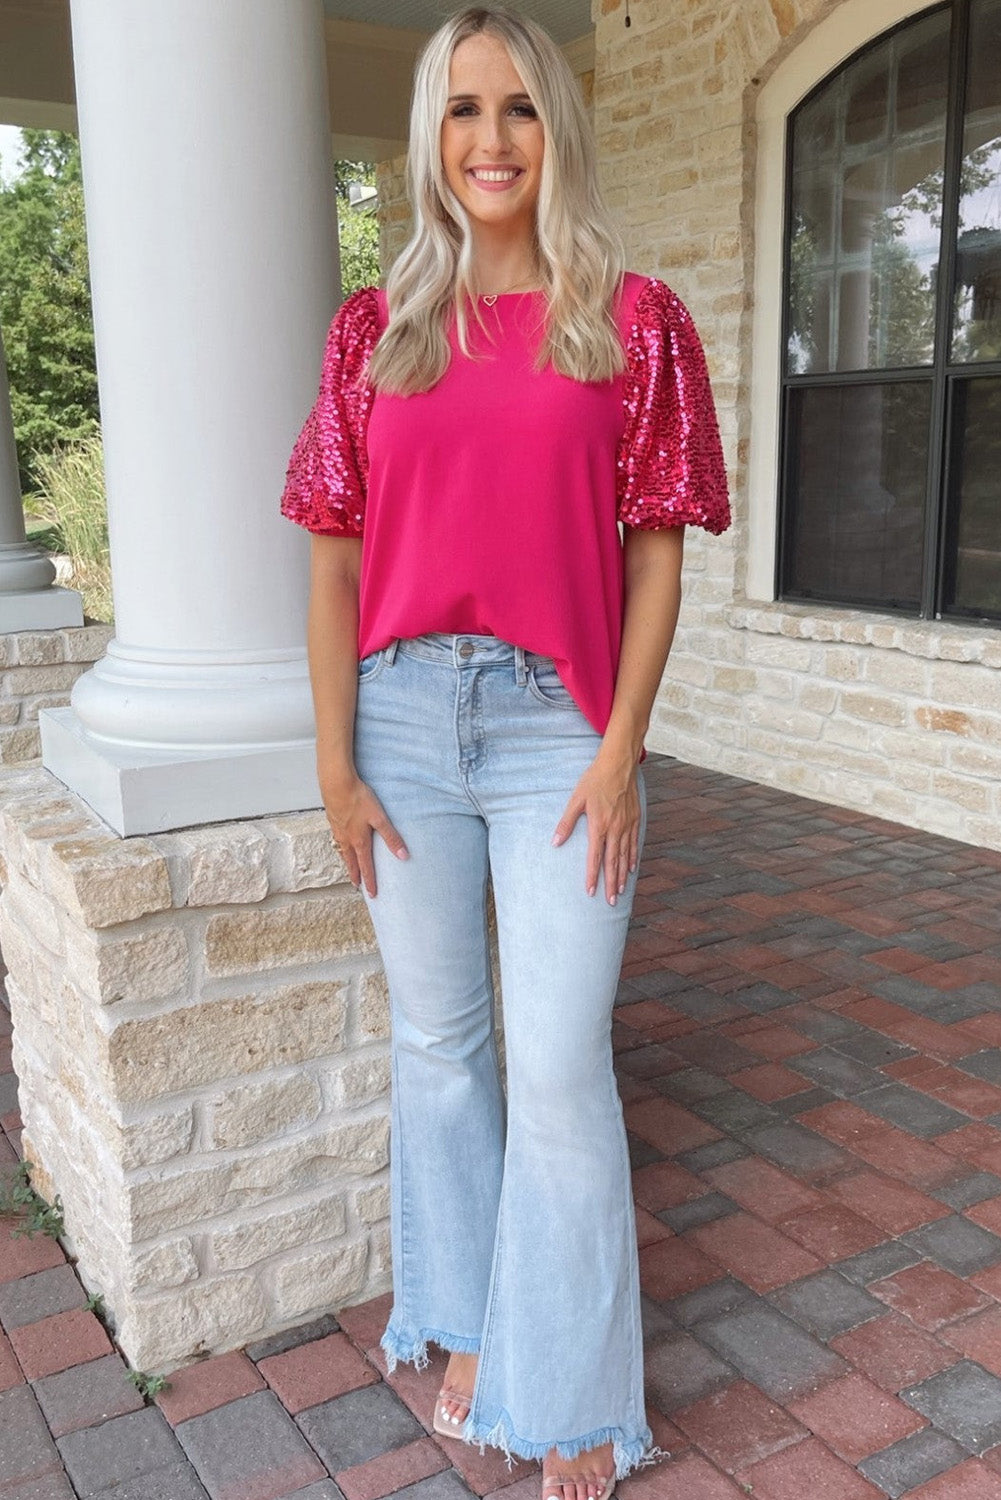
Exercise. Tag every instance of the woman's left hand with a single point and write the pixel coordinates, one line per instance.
(608, 795)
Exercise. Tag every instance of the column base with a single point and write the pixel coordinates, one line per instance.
(147, 791)
(50, 608)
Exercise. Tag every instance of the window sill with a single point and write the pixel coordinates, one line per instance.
(936, 640)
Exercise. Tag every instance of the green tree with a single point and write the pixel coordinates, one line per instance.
(45, 299)
(357, 229)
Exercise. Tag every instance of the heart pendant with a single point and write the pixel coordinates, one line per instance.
(491, 299)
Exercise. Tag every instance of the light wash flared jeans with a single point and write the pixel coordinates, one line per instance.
(512, 1224)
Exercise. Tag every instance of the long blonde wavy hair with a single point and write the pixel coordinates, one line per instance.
(580, 255)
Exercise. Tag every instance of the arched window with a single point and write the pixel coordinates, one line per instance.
(891, 409)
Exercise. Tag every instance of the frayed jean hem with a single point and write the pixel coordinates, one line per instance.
(413, 1350)
(627, 1453)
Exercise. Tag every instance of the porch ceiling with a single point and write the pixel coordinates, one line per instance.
(371, 48)
(565, 20)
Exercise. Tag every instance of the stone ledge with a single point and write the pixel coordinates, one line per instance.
(934, 639)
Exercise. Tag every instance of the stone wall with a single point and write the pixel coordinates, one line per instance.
(200, 1034)
(37, 670)
(896, 717)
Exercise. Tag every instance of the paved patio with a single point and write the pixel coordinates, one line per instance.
(809, 1050)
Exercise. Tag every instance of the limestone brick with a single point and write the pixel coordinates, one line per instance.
(372, 1203)
(362, 1079)
(326, 1278)
(183, 1198)
(880, 709)
(38, 648)
(169, 1265)
(373, 1006)
(257, 1112)
(274, 1232)
(303, 853)
(841, 664)
(30, 817)
(975, 760)
(29, 707)
(19, 744)
(944, 720)
(86, 643)
(320, 927)
(905, 744)
(18, 681)
(892, 670)
(218, 1039)
(820, 697)
(225, 863)
(149, 966)
(963, 685)
(207, 1317)
(970, 794)
(735, 680)
(153, 1138)
(165, 1202)
(101, 879)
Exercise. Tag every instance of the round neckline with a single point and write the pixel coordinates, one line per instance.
(497, 296)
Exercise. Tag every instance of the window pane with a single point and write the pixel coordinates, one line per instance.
(856, 481)
(973, 583)
(867, 165)
(977, 332)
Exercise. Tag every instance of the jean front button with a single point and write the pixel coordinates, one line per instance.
(466, 650)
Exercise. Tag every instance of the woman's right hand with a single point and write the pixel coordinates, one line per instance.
(353, 812)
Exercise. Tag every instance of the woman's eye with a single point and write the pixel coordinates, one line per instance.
(460, 111)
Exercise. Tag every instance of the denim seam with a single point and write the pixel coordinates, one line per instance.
(376, 670)
(540, 696)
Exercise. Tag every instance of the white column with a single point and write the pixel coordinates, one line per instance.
(29, 598)
(213, 246)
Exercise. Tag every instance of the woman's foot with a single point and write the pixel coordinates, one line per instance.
(460, 1376)
(589, 1476)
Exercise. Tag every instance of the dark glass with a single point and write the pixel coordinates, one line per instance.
(977, 305)
(856, 491)
(868, 151)
(973, 567)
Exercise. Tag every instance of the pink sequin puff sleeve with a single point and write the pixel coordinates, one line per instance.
(670, 469)
(328, 471)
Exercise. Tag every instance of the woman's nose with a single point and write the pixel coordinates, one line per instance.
(494, 133)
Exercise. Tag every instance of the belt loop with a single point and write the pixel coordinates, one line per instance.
(391, 650)
(520, 668)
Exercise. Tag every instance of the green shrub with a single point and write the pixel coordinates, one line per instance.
(69, 502)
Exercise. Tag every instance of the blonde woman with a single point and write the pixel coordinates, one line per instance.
(484, 650)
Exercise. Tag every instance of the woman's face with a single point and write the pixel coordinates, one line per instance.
(492, 141)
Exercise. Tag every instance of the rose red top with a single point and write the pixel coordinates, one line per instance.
(488, 505)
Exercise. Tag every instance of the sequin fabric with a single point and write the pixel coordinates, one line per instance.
(670, 469)
(669, 463)
(327, 476)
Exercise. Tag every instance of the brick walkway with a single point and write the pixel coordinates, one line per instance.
(809, 1050)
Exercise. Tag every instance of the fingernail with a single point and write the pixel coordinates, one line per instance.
(556, 838)
(402, 854)
(622, 887)
(611, 899)
(591, 890)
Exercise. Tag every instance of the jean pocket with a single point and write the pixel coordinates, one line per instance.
(371, 665)
(545, 683)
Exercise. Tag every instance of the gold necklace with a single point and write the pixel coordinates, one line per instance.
(491, 297)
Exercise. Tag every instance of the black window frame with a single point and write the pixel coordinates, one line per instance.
(939, 515)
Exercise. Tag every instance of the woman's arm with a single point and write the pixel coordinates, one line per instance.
(352, 808)
(607, 791)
